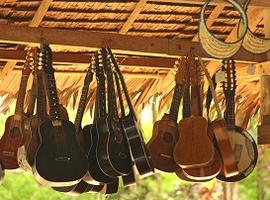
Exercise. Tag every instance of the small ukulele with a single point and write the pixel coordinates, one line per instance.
(137, 147)
(165, 131)
(14, 136)
(60, 160)
(112, 150)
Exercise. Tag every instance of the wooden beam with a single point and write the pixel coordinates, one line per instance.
(133, 16)
(122, 44)
(266, 21)
(211, 19)
(42, 9)
(84, 59)
(257, 3)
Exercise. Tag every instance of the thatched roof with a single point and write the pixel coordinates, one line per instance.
(156, 18)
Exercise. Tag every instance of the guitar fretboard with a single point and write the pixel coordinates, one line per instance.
(177, 95)
(53, 98)
(21, 95)
(41, 100)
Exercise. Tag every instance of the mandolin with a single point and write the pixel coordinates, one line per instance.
(60, 160)
(165, 132)
(112, 150)
(244, 146)
(100, 111)
(14, 136)
(194, 147)
(137, 147)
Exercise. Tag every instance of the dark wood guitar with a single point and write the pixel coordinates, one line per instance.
(82, 186)
(165, 131)
(138, 149)
(194, 147)
(100, 111)
(60, 160)
(112, 150)
(14, 137)
(244, 146)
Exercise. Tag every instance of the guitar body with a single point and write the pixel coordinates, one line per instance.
(112, 152)
(140, 153)
(24, 151)
(223, 143)
(34, 142)
(58, 156)
(246, 154)
(94, 169)
(194, 148)
(161, 145)
(11, 140)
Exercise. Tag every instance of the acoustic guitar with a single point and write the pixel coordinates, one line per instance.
(112, 150)
(14, 136)
(26, 153)
(244, 146)
(100, 111)
(194, 148)
(137, 146)
(165, 132)
(60, 160)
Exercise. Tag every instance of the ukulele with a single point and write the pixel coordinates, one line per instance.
(60, 161)
(128, 179)
(95, 170)
(165, 132)
(14, 135)
(194, 147)
(82, 186)
(112, 150)
(138, 149)
(244, 146)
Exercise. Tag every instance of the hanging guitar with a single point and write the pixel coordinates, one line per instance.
(14, 136)
(243, 144)
(60, 161)
(95, 170)
(194, 148)
(139, 152)
(82, 186)
(165, 132)
(112, 150)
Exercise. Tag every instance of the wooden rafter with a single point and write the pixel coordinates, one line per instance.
(257, 3)
(133, 16)
(266, 21)
(42, 9)
(123, 44)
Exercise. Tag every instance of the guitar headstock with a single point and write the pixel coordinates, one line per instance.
(30, 61)
(90, 71)
(229, 85)
(180, 64)
(195, 71)
(47, 59)
(99, 66)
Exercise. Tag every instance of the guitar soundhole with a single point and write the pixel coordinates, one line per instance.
(63, 158)
(122, 155)
(117, 135)
(58, 138)
(167, 137)
(14, 132)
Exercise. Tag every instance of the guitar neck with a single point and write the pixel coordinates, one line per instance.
(118, 86)
(186, 102)
(230, 111)
(177, 95)
(41, 100)
(196, 102)
(122, 81)
(81, 107)
(31, 106)
(21, 95)
(53, 98)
